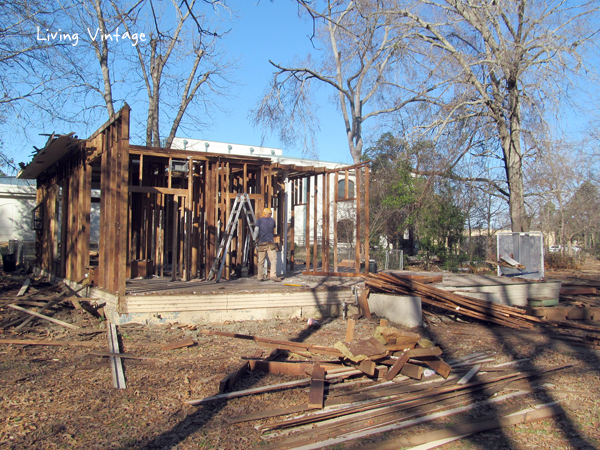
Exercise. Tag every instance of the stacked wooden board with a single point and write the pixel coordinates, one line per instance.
(391, 392)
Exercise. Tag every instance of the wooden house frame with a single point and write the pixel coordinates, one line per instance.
(163, 211)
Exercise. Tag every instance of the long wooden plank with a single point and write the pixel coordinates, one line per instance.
(354, 428)
(312, 348)
(583, 290)
(158, 190)
(121, 355)
(350, 324)
(421, 352)
(403, 402)
(333, 274)
(116, 364)
(470, 374)
(243, 393)
(50, 343)
(51, 302)
(23, 289)
(41, 316)
(395, 403)
(425, 279)
(455, 432)
(441, 299)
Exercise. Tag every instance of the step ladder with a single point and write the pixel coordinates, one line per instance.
(242, 203)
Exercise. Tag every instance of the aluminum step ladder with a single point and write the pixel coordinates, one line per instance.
(242, 203)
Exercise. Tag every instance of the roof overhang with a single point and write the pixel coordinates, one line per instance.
(56, 148)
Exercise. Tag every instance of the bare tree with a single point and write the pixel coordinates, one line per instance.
(23, 43)
(511, 57)
(367, 61)
(556, 178)
(179, 47)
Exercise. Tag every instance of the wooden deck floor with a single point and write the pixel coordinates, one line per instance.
(291, 282)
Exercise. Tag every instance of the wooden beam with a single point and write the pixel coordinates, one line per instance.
(41, 316)
(49, 343)
(455, 432)
(578, 290)
(470, 374)
(350, 323)
(23, 289)
(179, 344)
(158, 190)
(333, 274)
(368, 367)
(116, 364)
(412, 371)
(317, 387)
(421, 352)
(52, 301)
(243, 393)
(286, 368)
(395, 369)
(232, 378)
(298, 345)
(364, 304)
(335, 224)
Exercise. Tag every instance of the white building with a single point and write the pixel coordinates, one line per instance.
(17, 200)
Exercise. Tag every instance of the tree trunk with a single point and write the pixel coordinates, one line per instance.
(510, 137)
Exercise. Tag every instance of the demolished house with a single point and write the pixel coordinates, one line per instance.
(162, 217)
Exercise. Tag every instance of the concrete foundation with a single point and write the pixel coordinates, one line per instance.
(503, 291)
(193, 309)
(152, 301)
(400, 309)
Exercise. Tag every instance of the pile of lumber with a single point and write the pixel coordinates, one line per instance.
(508, 316)
(482, 310)
(375, 385)
(42, 302)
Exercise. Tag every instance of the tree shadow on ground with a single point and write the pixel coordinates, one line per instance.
(193, 423)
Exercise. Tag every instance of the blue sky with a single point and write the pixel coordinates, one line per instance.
(266, 31)
(260, 30)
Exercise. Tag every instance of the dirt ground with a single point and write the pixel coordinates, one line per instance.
(62, 397)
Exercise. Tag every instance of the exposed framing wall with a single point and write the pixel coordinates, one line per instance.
(164, 211)
(322, 203)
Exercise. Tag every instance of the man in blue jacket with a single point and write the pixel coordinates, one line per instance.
(266, 245)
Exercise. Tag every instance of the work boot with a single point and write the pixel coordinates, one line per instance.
(277, 279)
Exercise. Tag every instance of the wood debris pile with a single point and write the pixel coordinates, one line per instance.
(471, 307)
(554, 319)
(46, 300)
(394, 380)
